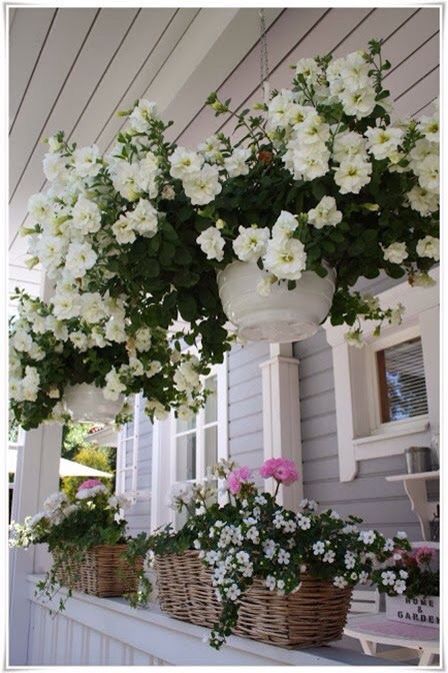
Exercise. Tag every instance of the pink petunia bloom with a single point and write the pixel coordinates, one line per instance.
(423, 555)
(282, 470)
(89, 483)
(237, 478)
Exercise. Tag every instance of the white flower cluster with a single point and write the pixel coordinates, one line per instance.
(200, 180)
(88, 493)
(395, 580)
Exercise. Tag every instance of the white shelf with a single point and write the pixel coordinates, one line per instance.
(415, 487)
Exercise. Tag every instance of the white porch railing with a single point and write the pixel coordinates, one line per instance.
(96, 631)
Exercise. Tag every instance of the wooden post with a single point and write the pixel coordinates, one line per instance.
(281, 417)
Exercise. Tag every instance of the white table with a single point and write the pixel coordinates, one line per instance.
(371, 630)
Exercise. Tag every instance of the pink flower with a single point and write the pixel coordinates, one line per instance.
(423, 555)
(281, 469)
(89, 483)
(237, 478)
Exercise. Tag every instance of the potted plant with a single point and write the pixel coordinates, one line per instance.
(91, 552)
(251, 567)
(411, 583)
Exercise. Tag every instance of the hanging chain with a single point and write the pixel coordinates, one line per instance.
(264, 63)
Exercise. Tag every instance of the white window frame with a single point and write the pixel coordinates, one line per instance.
(125, 438)
(361, 435)
(164, 448)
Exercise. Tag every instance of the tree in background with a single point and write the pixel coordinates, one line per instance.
(76, 447)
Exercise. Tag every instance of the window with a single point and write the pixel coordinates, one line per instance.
(387, 393)
(185, 451)
(128, 446)
(401, 377)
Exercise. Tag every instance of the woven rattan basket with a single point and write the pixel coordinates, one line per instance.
(313, 615)
(102, 571)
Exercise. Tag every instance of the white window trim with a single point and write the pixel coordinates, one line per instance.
(360, 435)
(164, 463)
(133, 439)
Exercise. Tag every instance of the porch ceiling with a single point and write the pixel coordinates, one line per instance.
(73, 69)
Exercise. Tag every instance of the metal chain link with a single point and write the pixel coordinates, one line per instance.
(264, 63)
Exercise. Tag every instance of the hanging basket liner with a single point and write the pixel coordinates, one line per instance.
(313, 615)
(88, 404)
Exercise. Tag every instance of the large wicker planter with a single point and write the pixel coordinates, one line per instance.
(102, 572)
(313, 615)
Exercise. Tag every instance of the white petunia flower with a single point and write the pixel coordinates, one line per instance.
(202, 186)
(39, 207)
(142, 339)
(352, 175)
(54, 167)
(251, 243)
(144, 218)
(125, 179)
(141, 115)
(422, 200)
(381, 142)
(354, 338)
(86, 162)
(114, 387)
(396, 253)
(80, 258)
(349, 145)
(236, 164)
(429, 126)
(212, 243)
(359, 103)
(429, 247)
(285, 259)
(264, 286)
(428, 173)
(325, 213)
(185, 163)
(123, 230)
(86, 216)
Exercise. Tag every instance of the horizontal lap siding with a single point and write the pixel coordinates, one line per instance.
(139, 515)
(245, 403)
(381, 504)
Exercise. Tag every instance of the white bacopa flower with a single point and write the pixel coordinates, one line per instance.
(318, 548)
(402, 535)
(389, 545)
(123, 230)
(269, 548)
(422, 200)
(236, 164)
(253, 535)
(363, 577)
(329, 556)
(283, 557)
(285, 259)
(144, 218)
(400, 586)
(212, 243)
(185, 163)
(325, 213)
(251, 243)
(340, 582)
(367, 536)
(202, 186)
(86, 162)
(349, 560)
(304, 522)
(381, 142)
(396, 253)
(352, 174)
(270, 582)
(86, 216)
(388, 578)
(429, 247)
(403, 574)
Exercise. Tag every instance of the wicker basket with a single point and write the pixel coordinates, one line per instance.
(102, 572)
(313, 615)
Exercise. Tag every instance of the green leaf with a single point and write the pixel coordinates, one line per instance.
(187, 307)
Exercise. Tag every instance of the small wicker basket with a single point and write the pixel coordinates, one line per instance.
(103, 571)
(313, 615)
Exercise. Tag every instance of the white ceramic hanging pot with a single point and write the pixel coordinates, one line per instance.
(284, 315)
(87, 403)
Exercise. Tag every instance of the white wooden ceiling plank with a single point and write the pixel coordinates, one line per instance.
(62, 45)
(379, 25)
(284, 33)
(21, 274)
(147, 71)
(325, 36)
(426, 109)
(419, 28)
(425, 90)
(140, 40)
(415, 67)
(89, 68)
(26, 39)
(224, 56)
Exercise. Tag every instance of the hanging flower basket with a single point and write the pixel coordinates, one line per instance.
(101, 571)
(87, 403)
(313, 615)
(283, 315)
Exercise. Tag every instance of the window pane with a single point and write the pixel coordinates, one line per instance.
(183, 426)
(186, 457)
(211, 405)
(211, 446)
(402, 381)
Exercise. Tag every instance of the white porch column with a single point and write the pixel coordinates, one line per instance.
(37, 476)
(281, 417)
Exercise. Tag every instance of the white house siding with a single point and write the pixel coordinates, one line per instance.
(245, 403)
(139, 515)
(383, 505)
